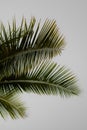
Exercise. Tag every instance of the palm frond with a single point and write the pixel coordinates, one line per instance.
(11, 106)
(44, 78)
(25, 54)
(24, 43)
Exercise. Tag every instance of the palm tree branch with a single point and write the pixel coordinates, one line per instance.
(10, 105)
(37, 82)
(45, 77)
(25, 41)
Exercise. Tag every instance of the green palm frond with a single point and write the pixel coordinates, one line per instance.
(24, 43)
(25, 64)
(11, 106)
(44, 78)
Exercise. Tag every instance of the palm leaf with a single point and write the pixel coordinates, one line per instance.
(44, 78)
(25, 43)
(25, 53)
(10, 105)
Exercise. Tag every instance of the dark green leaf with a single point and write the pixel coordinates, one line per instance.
(45, 78)
(10, 105)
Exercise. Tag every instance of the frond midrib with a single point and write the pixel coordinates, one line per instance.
(35, 82)
(28, 51)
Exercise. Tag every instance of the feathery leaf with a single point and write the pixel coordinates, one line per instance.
(11, 105)
(25, 43)
(44, 78)
(25, 54)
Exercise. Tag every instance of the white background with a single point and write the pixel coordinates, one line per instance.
(54, 112)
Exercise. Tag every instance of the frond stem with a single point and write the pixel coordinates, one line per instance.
(27, 51)
(33, 82)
